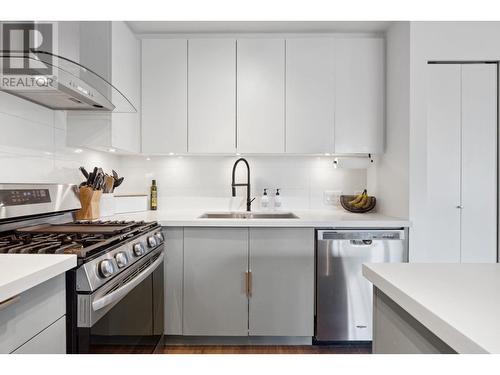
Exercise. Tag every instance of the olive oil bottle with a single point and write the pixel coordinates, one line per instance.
(154, 196)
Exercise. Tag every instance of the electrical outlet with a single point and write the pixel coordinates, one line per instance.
(331, 197)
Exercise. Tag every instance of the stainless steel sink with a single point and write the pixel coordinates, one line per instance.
(248, 215)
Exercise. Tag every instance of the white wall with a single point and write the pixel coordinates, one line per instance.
(390, 178)
(33, 145)
(456, 41)
(205, 181)
(33, 149)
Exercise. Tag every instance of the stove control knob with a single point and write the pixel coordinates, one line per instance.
(159, 237)
(138, 249)
(152, 241)
(121, 259)
(106, 268)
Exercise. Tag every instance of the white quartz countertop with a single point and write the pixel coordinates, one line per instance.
(459, 303)
(20, 272)
(307, 218)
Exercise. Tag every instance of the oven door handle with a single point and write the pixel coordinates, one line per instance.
(125, 289)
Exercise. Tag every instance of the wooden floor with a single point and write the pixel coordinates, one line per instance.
(237, 349)
(266, 349)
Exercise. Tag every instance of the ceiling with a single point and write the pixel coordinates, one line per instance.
(231, 27)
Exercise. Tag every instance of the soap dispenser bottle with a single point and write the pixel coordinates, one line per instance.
(277, 199)
(264, 201)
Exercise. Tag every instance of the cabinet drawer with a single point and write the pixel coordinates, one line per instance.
(52, 340)
(36, 309)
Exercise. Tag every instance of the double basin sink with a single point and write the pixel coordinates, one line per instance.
(248, 215)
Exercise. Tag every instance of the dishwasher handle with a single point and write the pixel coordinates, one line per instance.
(361, 242)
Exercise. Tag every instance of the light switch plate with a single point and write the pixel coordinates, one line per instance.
(331, 197)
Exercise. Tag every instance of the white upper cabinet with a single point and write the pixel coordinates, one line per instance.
(164, 96)
(111, 50)
(126, 77)
(310, 95)
(261, 96)
(211, 95)
(359, 95)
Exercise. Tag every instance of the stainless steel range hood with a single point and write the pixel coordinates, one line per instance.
(59, 83)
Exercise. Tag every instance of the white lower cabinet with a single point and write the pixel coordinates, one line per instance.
(34, 313)
(241, 281)
(215, 262)
(52, 340)
(174, 258)
(282, 287)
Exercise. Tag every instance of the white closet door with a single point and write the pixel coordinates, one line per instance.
(479, 163)
(442, 227)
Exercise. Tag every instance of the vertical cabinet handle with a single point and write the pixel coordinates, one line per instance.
(246, 283)
(249, 284)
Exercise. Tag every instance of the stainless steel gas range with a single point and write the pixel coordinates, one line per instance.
(115, 294)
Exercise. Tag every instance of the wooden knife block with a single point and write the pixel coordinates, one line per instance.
(89, 200)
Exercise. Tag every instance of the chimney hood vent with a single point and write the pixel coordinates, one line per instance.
(58, 83)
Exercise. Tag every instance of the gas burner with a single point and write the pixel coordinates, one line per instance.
(86, 239)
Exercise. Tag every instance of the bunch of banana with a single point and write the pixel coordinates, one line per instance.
(361, 201)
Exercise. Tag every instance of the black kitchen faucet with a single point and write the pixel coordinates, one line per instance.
(233, 184)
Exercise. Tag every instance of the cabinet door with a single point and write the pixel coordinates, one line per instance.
(282, 293)
(442, 226)
(111, 50)
(479, 163)
(52, 340)
(310, 95)
(359, 97)
(35, 310)
(211, 95)
(261, 95)
(173, 266)
(126, 76)
(164, 96)
(215, 262)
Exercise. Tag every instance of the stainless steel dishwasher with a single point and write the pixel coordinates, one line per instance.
(343, 295)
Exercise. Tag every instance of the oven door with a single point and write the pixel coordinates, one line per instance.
(126, 314)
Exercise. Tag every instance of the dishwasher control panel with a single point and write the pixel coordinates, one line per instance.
(361, 235)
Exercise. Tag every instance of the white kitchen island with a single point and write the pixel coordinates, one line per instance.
(33, 302)
(435, 308)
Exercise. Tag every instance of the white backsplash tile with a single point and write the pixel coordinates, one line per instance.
(33, 146)
(205, 181)
(17, 107)
(33, 149)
